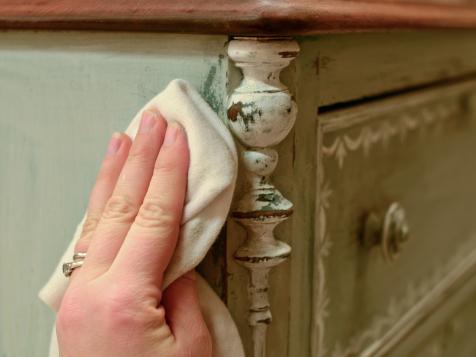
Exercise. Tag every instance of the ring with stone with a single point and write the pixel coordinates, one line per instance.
(78, 260)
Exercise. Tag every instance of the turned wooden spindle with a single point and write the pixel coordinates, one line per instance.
(261, 114)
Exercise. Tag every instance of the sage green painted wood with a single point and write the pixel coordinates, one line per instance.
(449, 332)
(428, 170)
(304, 186)
(63, 94)
(292, 282)
(455, 337)
(352, 66)
(295, 176)
(61, 97)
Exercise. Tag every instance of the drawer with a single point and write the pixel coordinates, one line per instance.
(384, 165)
(449, 332)
(350, 67)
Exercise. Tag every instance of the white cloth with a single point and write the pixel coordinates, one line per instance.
(211, 180)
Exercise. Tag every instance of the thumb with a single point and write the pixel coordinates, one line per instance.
(184, 316)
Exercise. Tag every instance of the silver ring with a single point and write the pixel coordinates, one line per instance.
(79, 256)
(78, 260)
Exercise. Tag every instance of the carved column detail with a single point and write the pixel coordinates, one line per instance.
(261, 114)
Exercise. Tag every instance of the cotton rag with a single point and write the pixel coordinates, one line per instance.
(211, 180)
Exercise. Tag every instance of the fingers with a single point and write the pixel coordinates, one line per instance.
(111, 166)
(151, 241)
(185, 318)
(126, 199)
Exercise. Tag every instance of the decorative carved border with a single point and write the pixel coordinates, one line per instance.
(382, 132)
(322, 247)
(417, 111)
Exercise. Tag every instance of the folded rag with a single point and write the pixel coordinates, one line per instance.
(211, 180)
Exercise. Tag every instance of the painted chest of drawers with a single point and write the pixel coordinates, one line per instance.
(353, 229)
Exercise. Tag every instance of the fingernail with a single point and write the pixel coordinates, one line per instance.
(147, 122)
(114, 144)
(171, 133)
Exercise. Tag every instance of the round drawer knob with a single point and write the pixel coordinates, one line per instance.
(389, 230)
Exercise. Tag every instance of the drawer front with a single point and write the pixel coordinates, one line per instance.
(455, 338)
(449, 332)
(415, 152)
(354, 66)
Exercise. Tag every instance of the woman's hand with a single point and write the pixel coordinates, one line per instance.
(114, 305)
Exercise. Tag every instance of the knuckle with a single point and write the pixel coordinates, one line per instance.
(120, 208)
(165, 166)
(160, 316)
(120, 309)
(155, 213)
(142, 154)
(116, 309)
(89, 226)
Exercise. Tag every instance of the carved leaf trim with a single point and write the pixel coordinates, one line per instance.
(382, 132)
(324, 247)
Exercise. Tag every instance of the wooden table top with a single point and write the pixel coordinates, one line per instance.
(242, 17)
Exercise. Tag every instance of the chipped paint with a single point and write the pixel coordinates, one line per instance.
(288, 54)
(234, 110)
(212, 88)
(273, 200)
(255, 260)
(245, 112)
(317, 66)
(263, 215)
(261, 114)
(266, 321)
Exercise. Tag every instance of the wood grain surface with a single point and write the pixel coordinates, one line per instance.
(247, 17)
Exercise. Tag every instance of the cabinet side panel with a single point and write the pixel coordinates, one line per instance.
(62, 95)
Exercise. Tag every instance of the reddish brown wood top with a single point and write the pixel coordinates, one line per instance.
(247, 17)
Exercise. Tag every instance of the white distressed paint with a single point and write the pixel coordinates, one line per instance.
(261, 113)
